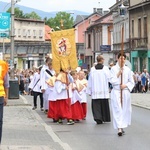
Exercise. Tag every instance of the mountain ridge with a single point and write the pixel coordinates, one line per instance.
(4, 6)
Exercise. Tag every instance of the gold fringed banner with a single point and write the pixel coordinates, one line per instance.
(63, 50)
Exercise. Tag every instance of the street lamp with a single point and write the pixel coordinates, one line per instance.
(84, 28)
(12, 38)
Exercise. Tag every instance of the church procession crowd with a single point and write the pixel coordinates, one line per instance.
(63, 96)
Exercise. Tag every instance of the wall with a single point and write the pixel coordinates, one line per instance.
(135, 2)
(28, 30)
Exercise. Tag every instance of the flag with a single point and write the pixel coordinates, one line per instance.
(63, 50)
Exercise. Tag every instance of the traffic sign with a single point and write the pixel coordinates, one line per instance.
(4, 35)
(4, 20)
(4, 25)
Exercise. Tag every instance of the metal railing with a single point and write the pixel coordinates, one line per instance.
(138, 43)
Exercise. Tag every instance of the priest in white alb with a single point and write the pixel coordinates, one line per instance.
(121, 103)
(99, 90)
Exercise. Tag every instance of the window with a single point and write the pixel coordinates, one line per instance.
(15, 32)
(139, 27)
(34, 33)
(132, 28)
(19, 33)
(24, 32)
(89, 40)
(40, 33)
(145, 26)
(29, 33)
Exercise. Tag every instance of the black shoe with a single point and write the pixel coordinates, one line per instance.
(45, 111)
(55, 120)
(34, 108)
(119, 133)
(99, 122)
(42, 109)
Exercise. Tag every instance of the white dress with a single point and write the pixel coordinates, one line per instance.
(121, 114)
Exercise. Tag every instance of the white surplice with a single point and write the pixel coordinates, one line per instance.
(75, 95)
(45, 76)
(35, 83)
(83, 91)
(121, 114)
(98, 83)
(61, 92)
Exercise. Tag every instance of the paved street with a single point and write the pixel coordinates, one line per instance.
(27, 129)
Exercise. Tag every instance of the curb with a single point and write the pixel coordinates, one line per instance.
(140, 106)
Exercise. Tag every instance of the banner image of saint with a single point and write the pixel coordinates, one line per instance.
(63, 50)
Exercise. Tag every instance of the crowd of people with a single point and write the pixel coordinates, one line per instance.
(63, 95)
(141, 81)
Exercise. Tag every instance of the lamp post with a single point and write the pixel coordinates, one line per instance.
(12, 39)
(83, 32)
(14, 84)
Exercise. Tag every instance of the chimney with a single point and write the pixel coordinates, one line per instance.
(94, 10)
(100, 10)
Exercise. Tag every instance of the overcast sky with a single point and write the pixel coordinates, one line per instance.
(61, 5)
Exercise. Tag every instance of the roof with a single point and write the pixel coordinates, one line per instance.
(81, 18)
(29, 20)
(47, 35)
(106, 19)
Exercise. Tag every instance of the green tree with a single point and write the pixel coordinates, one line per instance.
(17, 11)
(55, 22)
(32, 15)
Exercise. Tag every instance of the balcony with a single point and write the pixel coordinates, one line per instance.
(139, 43)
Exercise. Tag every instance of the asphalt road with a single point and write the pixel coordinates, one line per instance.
(87, 135)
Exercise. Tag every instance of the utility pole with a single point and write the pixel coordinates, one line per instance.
(12, 41)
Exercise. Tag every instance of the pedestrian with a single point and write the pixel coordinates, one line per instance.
(82, 92)
(52, 107)
(4, 85)
(99, 90)
(111, 64)
(139, 88)
(47, 73)
(76, 107)
(144, 80)
(35, 87)
(63, 97)
(121, 94)
(42, 78)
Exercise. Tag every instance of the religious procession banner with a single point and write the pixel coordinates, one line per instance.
(63, 50)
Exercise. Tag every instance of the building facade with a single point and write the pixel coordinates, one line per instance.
(139, 14)
(120, 28)
(81, 25)
(100, 38)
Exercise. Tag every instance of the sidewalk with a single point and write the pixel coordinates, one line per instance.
(24, 129)
(141, 100)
